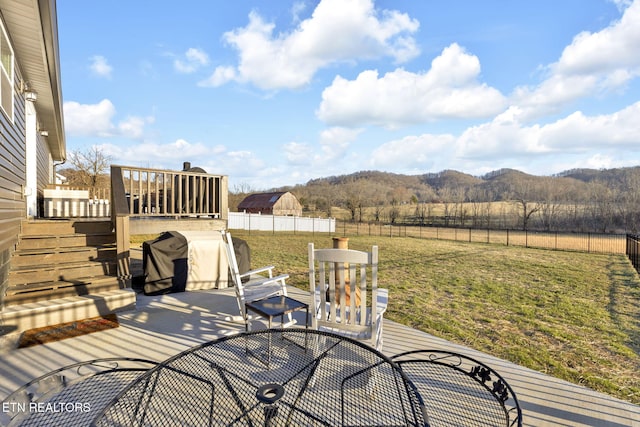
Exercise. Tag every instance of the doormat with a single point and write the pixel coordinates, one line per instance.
(67, 330)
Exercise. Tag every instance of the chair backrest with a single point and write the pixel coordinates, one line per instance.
(345, 285)
(234, 270)
(459, 390)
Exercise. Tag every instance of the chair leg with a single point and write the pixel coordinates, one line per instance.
(247, 321)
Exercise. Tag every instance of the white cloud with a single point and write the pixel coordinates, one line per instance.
(505, 142)
(413, 152)
(154, 155)
(297, 9)
(133, 127)
(575, 133)
(89, 119)
(220, 76)
(297, 153)
(100, 67)
(178, 149)
(192, 61)
(593, 63)
(96, 120)
(338, 30)
(450, 89)
(622, 4)
(334, 143)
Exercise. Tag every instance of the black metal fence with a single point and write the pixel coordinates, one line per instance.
(582, 242)
(633, 250)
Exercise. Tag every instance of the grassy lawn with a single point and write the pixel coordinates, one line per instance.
(571, 315)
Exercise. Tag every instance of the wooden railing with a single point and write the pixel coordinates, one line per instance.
(154, 192)
(140, 192)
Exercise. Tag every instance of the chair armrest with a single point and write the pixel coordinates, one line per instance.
(267, 280)
(382, 301)
(263, 287)
(258, 271)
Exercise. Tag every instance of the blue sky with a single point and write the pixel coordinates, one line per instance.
(275, 93)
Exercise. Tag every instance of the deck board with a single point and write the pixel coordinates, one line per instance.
(162, 326)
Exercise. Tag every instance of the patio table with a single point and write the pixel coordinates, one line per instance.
(72, 395)
(314, 378)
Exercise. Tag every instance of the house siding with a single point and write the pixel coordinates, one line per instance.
(12, 178)
(44, 170)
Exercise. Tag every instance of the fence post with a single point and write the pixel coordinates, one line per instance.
(633, 243)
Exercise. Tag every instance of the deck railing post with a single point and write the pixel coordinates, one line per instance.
(120, 223)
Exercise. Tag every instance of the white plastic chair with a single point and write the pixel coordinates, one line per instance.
(335, 275)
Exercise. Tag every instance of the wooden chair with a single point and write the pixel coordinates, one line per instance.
(253, 285)
(458, 390)
(345, 295)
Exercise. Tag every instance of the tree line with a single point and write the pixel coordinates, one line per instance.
(580, 200)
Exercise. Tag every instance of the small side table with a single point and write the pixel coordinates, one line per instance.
(278, 305)
(271, 307)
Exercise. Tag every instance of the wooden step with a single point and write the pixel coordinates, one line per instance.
(21, 317)
(42, 291)
(62, 258)
(42, 258)
(69, 272)
(65, 241)
(64, 227)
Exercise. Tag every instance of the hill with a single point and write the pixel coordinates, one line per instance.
(579, 200)
(571, 185)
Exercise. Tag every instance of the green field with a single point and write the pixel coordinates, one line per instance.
(575, 316)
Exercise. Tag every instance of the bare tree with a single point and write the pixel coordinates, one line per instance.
(91, 167)
(238, 194)
(354, 198)
(446, 194)
(394, 213)
(601, 206)
(550, 204)
(522, 193)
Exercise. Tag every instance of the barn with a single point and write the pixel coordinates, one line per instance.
(276, 203)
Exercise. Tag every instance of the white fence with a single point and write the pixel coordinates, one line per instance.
(259, 222)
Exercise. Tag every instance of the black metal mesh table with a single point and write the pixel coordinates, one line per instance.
(330, 381)
(72, 395)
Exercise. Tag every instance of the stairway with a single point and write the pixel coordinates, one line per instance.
(63, 270)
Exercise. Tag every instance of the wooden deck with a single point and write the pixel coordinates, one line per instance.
(162, 326)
